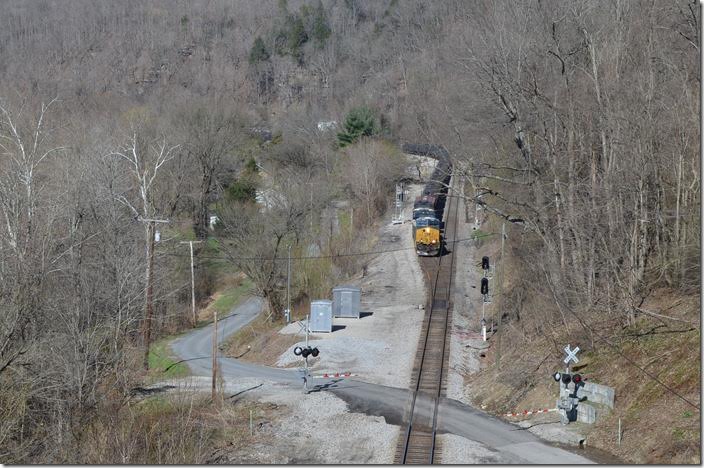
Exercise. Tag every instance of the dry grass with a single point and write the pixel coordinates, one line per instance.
(260, 342)
(659, 427)
(174, 428)
(232, 289)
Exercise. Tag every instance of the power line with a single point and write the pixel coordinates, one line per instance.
(315, 257)
(629, 360)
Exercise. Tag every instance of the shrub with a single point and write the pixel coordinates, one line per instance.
(359, 122)
(259, 52)
(242, 190)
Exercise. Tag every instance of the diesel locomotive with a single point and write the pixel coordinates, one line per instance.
(429, 206)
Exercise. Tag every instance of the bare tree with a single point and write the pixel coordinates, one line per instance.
(144, 160)
(209, 135)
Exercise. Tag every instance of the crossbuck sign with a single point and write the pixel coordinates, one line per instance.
(571, 354)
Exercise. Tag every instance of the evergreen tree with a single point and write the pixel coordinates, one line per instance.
(321, 30)
(243, 190)
(296, 37)
(259, 52)
(359, 122)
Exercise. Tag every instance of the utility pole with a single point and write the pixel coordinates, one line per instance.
(215, 352)
(500, 301)
(149, 291)
(288, 287)
(305, 376)
(193, 283)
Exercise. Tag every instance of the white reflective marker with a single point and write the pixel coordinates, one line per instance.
(571, 354)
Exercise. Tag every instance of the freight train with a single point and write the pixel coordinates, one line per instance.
(429, 206)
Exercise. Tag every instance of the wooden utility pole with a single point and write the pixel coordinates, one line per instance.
(500, 300)
(193, 284)
(288, 287)
(149, 291)
(215, 352)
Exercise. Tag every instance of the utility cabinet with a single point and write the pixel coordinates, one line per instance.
(345, 301)
(320, 318)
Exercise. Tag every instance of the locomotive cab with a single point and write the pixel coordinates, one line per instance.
(427, 236)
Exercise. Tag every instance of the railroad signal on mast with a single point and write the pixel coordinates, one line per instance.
(485, 286)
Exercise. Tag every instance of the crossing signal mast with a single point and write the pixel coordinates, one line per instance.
(305, 352)
(568, 401)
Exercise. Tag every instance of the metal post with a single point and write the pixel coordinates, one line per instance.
(193, 283)
(619, 432)
(483, 322)
(476, 208)
(288, 287)
(500, 301)
(305, 375)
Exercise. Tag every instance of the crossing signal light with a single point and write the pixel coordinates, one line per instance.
(305, 352)
(566, 378)
(485, 263)
(485, 286)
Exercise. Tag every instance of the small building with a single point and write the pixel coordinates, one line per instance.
(327, 125)
(345, 301)
(320, 318)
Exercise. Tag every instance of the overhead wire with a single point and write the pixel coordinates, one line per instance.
(316, 257)
(629, 360)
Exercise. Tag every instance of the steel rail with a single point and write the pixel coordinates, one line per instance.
(424, 447)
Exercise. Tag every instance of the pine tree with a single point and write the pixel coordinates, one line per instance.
(296, 37)
(259, 52)
(321, 30)
(359, 122)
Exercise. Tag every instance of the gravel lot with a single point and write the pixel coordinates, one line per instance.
(456, 450)
(315, 429)
(380, 346)
(319, 429)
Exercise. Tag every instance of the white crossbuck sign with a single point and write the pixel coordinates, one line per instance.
(571, 354)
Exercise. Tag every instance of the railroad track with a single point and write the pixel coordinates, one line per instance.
(417, 445)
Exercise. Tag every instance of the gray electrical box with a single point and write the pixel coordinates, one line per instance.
(321, 316)
(345, 301)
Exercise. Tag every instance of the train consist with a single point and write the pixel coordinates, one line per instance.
(429, 206)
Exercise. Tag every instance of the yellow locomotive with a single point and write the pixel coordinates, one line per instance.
(426, 234)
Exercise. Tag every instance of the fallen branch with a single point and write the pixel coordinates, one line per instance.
(245, 390)
(653, 314)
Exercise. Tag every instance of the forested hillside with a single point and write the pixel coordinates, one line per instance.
(576, 123)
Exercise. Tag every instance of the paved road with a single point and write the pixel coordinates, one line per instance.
(514, 444)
